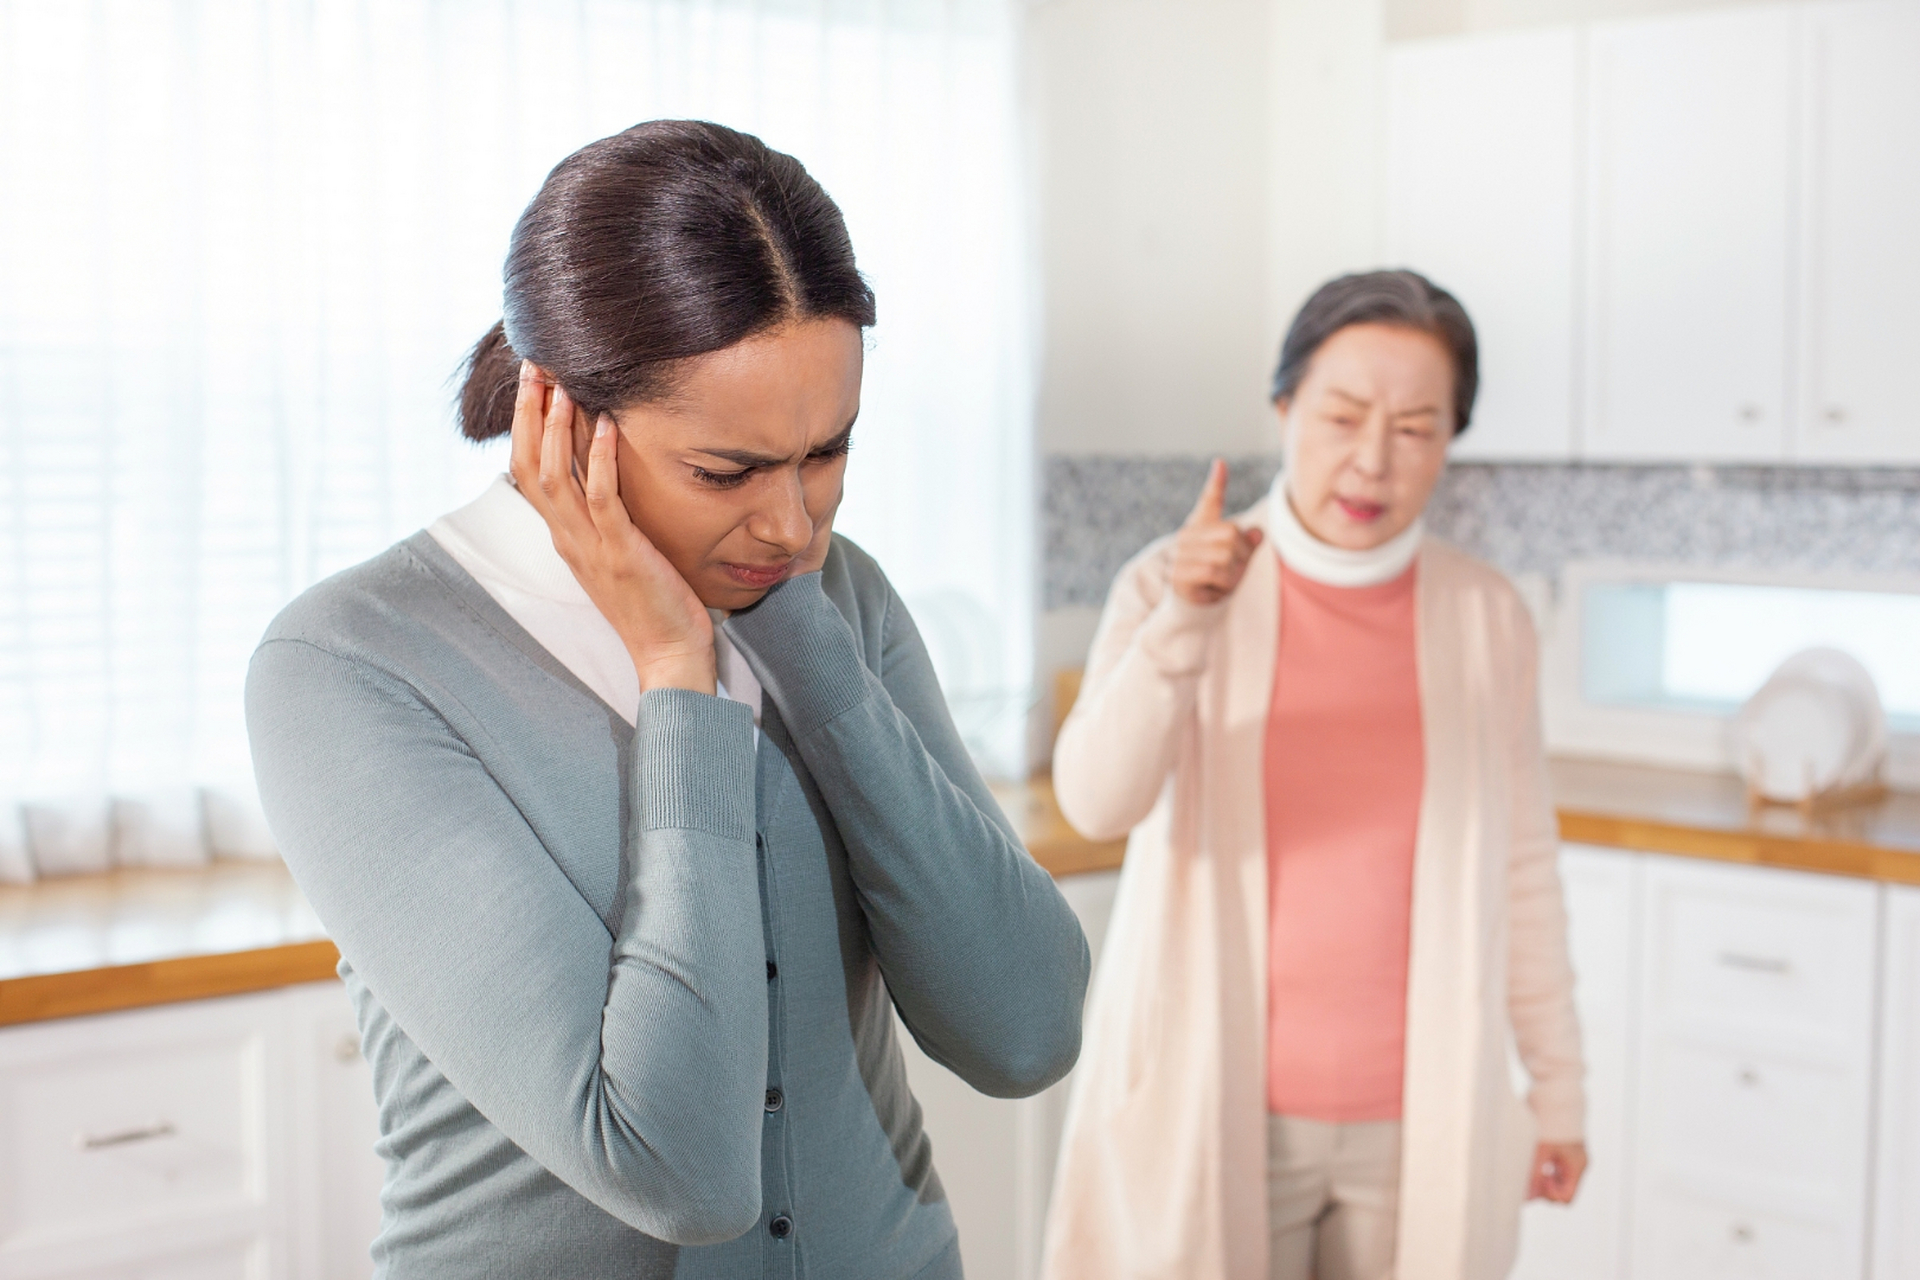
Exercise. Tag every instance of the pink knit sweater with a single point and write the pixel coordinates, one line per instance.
(1344, 770)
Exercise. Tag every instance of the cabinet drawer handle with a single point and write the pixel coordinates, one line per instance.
(1755, 964)
(124, 1137)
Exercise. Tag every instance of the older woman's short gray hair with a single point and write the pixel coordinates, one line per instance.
(1404, 298)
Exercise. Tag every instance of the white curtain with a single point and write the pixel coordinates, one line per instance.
(243, 246)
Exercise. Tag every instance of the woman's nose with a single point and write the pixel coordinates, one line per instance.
(1370, 450)
(783, 522)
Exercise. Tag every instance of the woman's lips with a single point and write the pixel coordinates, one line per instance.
(1364, 512)
(758, 577)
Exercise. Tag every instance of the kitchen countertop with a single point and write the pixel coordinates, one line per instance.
(126, 939)
(96, 944)
(1706, 815)
(1627, 806)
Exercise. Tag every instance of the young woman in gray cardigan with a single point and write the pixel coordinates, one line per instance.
(626, 961)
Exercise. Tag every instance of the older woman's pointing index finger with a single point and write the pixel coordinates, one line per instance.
(1210, 553)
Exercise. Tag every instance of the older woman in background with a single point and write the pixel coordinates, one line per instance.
(1340, 903)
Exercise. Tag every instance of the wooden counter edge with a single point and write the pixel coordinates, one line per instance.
(1064, 857)
(1751, 848)
(1075, 856)
(1062, 852)
(42, 997)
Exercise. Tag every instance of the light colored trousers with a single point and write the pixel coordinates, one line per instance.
(1333, 1196)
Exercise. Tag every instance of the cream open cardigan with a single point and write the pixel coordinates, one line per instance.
(1163, 1169)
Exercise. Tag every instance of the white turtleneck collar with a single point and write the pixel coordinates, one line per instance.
(1335, 566)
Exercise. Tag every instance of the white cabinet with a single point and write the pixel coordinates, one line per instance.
(1860, 327)
(1587, 1239)
(188, 1142)
(1481, 186)
(238, 1259)
(1682, 238)
(995, 1156)
(339, 1182)
(1733, 1044)
(1690, 182)
(1753, 1074)
(1896, 1218)
(144, 1137)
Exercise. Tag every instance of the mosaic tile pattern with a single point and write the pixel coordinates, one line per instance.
(1098, 511)
(1526, 518)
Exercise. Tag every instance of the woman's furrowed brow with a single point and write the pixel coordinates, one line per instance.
(752, 458)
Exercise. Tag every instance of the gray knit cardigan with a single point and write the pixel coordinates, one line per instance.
(629, 994)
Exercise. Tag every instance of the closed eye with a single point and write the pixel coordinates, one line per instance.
(833, 448)
(722, 479)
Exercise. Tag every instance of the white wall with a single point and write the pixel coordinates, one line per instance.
(1148, 142)
(1323, 155)
(1199, 166)
(1411, 19)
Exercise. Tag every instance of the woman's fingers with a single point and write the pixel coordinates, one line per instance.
(1209, 559)
(529, 425)
(559, 484)
(1539, 1185)
(556, 445)
(543, 460)
(608, 513)
(1557, 1170)
(636, 560)
(1223, 545)
(1213, 496)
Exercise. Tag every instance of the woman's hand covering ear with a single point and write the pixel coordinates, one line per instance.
(662, 622)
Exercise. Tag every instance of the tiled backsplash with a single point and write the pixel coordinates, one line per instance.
(1526, 518)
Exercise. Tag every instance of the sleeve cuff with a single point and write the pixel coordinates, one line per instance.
(693, 763)
(1560, 1114)
(1176, 634)
(804, 653)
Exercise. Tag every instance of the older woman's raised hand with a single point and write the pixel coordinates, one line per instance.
(1211, 552)
(666, 629)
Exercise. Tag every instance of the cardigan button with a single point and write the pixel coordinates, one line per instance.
(775, 1100)
(781, 1227)
(773, 971)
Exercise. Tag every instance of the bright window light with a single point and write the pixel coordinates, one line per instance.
(1708, 646)
(244, 245)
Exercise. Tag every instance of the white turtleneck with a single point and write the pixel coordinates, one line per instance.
(1335, 566)
(502, 541)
